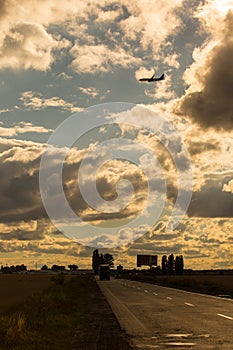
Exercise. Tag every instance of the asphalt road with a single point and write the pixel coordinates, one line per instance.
(157, 317)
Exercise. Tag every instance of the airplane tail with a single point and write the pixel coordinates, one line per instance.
(162, 77)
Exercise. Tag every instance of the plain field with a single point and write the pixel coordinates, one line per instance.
(16, 288)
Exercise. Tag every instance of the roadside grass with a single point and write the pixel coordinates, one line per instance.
(48, 320)
(15, 288)
(206, 284)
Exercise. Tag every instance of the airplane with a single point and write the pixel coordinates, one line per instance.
(150, 80)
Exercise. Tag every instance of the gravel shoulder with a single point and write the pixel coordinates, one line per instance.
(102, 330)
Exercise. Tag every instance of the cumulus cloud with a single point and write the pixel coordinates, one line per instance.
(208, 101)
(197, 147)
(27, 45)
(163, 90)
(90, 91)
(22, 128)
(105, 33)
(35, 101)
(100, 58)
(25, 41)
(228, 187)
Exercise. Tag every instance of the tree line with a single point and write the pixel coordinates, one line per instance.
(23, 268)
(13, 268)
(72, 267)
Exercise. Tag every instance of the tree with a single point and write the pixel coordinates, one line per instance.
(73, 267)
(44, 268)
(170, 264)
(179, 265)
(108, 259)
(98, 259)
(95, 261)
(164, 264)
(58, 268)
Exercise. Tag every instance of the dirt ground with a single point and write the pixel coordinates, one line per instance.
(103, 331)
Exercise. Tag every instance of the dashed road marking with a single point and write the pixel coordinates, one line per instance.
(225, 316)
(179, 344)
(179, 335)
(169, 298)
(145, 290)
(155, 293)
(189, 304)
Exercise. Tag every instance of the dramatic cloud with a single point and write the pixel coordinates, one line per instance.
(58, 56)
(210, 104)
(211, 201)
(24, 41)
(105, 33)
(27, 45)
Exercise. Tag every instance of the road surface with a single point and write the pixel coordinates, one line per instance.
(157, 317)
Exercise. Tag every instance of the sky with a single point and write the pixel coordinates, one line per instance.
(136, 157)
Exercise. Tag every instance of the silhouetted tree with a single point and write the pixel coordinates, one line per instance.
(170, 264)
(44, 268)
(6, 269)
(98, 259)
(107, 259)
(101, 259)
(95, 261)
(58, 268)
(164, 264)
(179, 265)
(73, 267)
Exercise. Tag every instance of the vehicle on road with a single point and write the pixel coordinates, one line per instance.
(104, 272)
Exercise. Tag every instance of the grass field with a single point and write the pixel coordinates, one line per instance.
(66, 313)
(43, 320)
(15, 289)
(208, 284)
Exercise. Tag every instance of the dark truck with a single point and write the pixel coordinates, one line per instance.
(104, 272)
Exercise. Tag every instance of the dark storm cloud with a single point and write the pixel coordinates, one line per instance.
(21, 235)
(211, 202)
(213, 105)
(20, 197)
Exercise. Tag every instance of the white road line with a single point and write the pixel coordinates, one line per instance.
(155, 293)
(179, 344)
(179, 335)
(145, 290)
(169, 298)
(139, 288)
(225, 316)
(189, 304)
